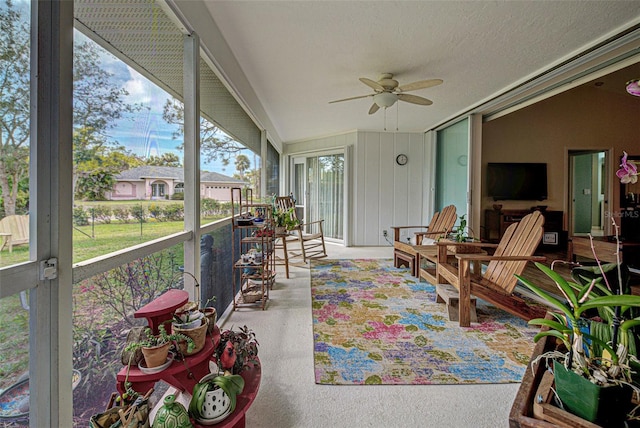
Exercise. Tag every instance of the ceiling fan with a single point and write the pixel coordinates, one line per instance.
(388, 91)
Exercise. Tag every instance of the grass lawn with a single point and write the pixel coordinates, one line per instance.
(14, 340)
(92, 241)
(88, 242)
(116, 236)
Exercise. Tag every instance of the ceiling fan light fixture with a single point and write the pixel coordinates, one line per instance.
(633, 87)
(385, 99)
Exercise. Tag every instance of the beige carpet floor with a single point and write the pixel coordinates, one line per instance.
(289, 396)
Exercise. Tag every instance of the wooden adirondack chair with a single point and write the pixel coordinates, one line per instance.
(406, 254)
(496, 284)
(14, 230)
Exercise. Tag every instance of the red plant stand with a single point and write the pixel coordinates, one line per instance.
(183, 375)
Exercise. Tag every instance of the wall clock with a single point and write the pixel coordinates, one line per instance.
(402, 159)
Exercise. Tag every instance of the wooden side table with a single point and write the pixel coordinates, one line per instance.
(605, 248)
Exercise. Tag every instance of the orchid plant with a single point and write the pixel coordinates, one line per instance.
(599, 352)
(628, 172)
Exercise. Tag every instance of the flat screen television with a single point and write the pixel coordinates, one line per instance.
(517, 181)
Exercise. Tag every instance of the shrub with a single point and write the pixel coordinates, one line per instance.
(225, 208)
(102, 214)
(138, 212)
(178, 196)
(80, 217)
(127, 288)
(174, 212)
(122, 214)
(156, 211)
(209, 207)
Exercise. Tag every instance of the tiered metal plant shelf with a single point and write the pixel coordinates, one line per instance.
(252, 279)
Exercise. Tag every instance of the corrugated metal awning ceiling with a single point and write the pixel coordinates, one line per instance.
(140, 33)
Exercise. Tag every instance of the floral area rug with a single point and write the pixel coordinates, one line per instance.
(376, 324)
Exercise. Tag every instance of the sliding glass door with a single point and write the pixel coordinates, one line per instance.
(452, 167)
(318, 186)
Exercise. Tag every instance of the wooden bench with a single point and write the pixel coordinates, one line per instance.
(447, 293)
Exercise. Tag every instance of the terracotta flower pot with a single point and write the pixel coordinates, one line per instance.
(212, 316)
(198, 335)
(157, 355)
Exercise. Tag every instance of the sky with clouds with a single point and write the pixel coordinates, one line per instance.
(146, 133)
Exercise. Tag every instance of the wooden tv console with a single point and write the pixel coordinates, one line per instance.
(496, 223)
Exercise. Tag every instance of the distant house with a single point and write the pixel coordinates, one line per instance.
(161, 182)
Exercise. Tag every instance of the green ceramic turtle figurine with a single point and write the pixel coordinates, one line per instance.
(172, 415)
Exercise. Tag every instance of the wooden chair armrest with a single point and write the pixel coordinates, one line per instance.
(397, 229)
(408, 227)
(471, 244)
(486, 257)
(432, 232)
(311, 222)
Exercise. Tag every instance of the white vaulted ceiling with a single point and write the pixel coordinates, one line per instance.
(285, 60)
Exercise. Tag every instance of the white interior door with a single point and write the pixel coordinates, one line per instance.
(588, 192)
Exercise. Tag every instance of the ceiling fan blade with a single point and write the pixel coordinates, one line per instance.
(352, 98)
(372, 84)
(374, 108)
(420, 85)
(414, 99)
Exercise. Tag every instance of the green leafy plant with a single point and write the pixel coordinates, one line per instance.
(570, 327)
(245, 344)
(80, 217)
(122, 214)
(232, 385)
(285, 218)
(460, 234)
(597, 348)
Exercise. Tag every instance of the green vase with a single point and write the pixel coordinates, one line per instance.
(172, 415)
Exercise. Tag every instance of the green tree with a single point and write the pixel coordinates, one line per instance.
(98, 101)
(242, 164)
(97, 171)
(253, 176)
(167, 159)
(214, 144)
(14, 103)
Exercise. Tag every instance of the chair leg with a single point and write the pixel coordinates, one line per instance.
(285, 256)
(464, 305)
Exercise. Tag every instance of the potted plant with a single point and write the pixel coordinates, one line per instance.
(595, 361)
(193, 325)
(214, 397)
(237, 350)
(155, 348)
(285, 220)
(461, 235)
(188, 320)
(210, 313)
